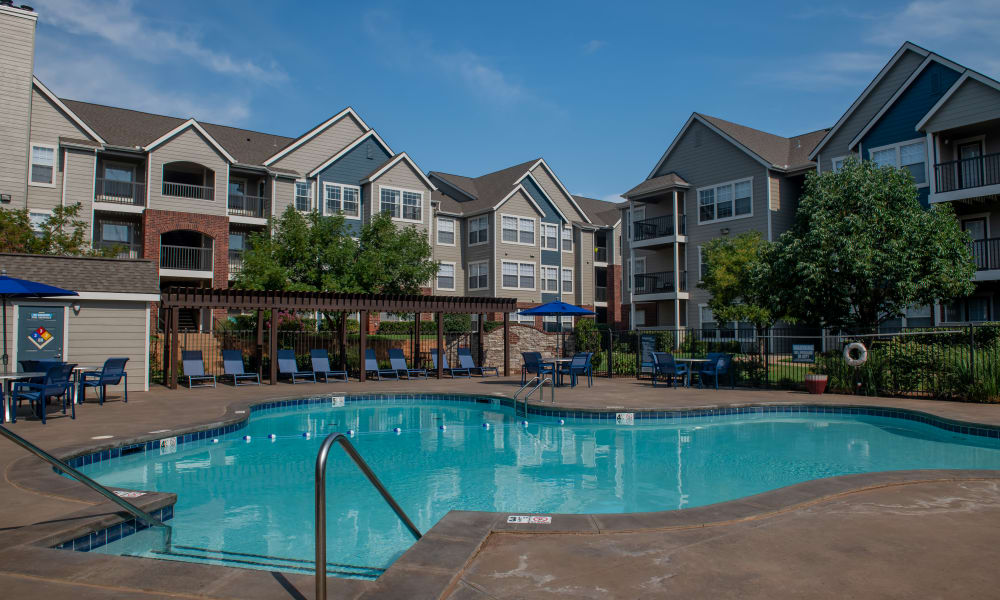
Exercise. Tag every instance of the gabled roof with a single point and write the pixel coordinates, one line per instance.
(190, 124)
(302, 139)
(967, 75)
(906, 47)
(352, 146)
(401, 157)
(657, 184)
(67, 110)
(601, 212)
(555, 178)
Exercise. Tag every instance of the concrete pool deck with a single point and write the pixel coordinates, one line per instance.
(918, 533)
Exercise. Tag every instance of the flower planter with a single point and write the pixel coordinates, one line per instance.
(816, 384)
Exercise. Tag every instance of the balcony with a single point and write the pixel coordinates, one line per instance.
(600, 293)
(185, 258)
(966, 178)
(658, 283)
(657, 230)
(249, 206)
(986, 255)
(601, 254)
(235, 263)
(122, 250)
(113, 191)
(185, 190)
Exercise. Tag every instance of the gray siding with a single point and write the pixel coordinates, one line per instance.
(284, 195)
(554, 192)
(48, 124)
(451, 254)
(17, 42)
(481, 253)
(518, 205)
(320, 148)
(785, 201)
(188, 146)
(78, 170)
(971, 103)
(104, 329)
(402, 176)
(583, 268)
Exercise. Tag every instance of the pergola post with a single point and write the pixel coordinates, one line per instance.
(440, 345)
(415, 357)
(259, 351)
(506, 344)
(165, 359)
(363, 343)
(273, 352)
(174, 344)
(343, 341)
(482, 332)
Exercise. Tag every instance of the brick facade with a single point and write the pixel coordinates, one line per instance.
(614, 287)
(157, 222)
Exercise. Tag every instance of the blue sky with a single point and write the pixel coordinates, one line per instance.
(599, 89)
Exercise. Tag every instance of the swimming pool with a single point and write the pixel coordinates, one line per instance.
(251, 503)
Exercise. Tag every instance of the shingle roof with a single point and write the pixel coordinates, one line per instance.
(85, 274)
(489, 189)
(601, 212)
(132, 128)
(656, 184)
(781, 152)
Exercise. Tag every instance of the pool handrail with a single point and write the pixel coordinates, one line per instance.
(324, 452)
(87, 481)
(541, 379)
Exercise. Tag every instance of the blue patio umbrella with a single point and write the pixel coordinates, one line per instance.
(556, 308)
(11, 287)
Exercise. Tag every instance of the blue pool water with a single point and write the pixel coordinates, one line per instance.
(251, 504)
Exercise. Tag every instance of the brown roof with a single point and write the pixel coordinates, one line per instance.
(656, 184)
(133, 128)
(783, 153)
(488, 190)
(600, 212)
(84, 273)
(68, 141)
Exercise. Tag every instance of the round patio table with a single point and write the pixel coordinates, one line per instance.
(692, 362)
(9, 412)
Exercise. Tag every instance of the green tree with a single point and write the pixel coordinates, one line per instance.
(391, 260)
(863, 249)
(63, 233)
(738, 277)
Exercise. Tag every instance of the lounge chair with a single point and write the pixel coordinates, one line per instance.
(533, 364)
(459, 372)
(718, 364)
(232, 364)
(194, 368)
(466, 362)
(398, 362)
(371, 366)
(112, 373)
(580, 365)
(321, 365)
(288, 368)
(665, 366)
(56, 383)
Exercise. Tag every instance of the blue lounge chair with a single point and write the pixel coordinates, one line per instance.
(398, 362)
(533, 364)
(232, 364)
(670, 370)
(718, 364)
(459, 372)
(321, 365)
(580, 365)
(194, 368)
(112, 373)
(466, 362)
(56, 383)
(288, 368)
(371, 366)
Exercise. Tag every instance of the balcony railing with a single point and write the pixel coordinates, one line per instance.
(601, 254)
(658, 283)
(235, 263)
(120, 192)
(600, 294)
(967, 173)
(986, 254)
(655, 227)
(249, 206)
(124, 250)
(184, 190)
(186, 258)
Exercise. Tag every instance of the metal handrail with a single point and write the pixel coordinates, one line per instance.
(542, 381)
(87, 481)
(324, 452)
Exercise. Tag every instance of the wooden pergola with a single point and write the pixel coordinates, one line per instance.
(175, 299)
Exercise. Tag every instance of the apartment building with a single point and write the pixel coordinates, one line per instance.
(518, 233)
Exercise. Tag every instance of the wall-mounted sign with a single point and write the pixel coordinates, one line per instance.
(803, 353)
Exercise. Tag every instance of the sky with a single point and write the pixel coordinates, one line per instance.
(599, 89)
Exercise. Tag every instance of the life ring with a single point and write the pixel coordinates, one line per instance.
(862, 354)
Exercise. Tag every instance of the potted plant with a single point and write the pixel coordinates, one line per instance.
(816, 383)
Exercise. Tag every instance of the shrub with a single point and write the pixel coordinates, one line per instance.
(586, 336)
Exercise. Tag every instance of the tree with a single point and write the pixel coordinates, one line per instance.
(862, 250)
(738, 277)
(392, 260)
(62, 233)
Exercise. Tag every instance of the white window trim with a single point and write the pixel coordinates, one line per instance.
(342, 187)
(638, 260)
(715, 186)
(486, 229)
(562, 280)
(38, 211)
(454, 232)
(833, 162)
(55, 164)
(700, 262)
(973, 217)
(520, 218)
(454, 276)
(541, 235)
(897, 146)
(423, 209)
(561, 239)
(295, 195)
(468, 272)
(536, 271)
(544, 278)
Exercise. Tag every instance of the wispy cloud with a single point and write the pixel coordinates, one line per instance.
(593, 46)
(826, 71)
(119, 24)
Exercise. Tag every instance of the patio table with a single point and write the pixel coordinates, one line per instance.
(77, 373)
(9, 410)
(692, 362)
(556, 363)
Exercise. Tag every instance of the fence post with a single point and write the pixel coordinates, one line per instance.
(259, 350)
(972, 351)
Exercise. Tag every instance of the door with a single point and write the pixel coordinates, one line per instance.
(971, 166)
(980, 246)
(40, 332)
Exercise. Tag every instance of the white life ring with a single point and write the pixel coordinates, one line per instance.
(862, 354)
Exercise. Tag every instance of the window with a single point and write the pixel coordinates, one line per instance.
(303, 197)
(446, 276)
(911, 156)
(972, 310)
(402, 204)
(390, 202)
(237, 187)
(412, 202)
(479, 230)
(553, 324)
(43, 164)
(522, 319)
(339, 198)
(446, 231)
(567, 239)
(640, 318)
(479, 276)
(518, 230)
(37, 220)
(567, 280)
(550, 279)
(518, 275)
(919, 316)
(727, 201)
(838, 163)
(116, 232)
(115, 171)
(638, 212)
(237, 242)
(701, 264)
(550, 236)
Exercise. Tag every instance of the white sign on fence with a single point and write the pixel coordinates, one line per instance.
(533, 519)
(337, 402)
(803, 353)
(168, 445)
(625, 418)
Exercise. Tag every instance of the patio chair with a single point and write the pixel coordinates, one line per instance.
(288, 367)
(445, 367)
(580, 365)
(320, 361)
(194, 368)
(466, 362)
(56, 383)
(532, 363)
(718, 364)
(232, 364)
(665, 366)
(371, 366)
(398, 362)
(38, 366)
(112, 373)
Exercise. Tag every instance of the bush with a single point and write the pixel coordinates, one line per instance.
(586, 336)
(453, 323)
